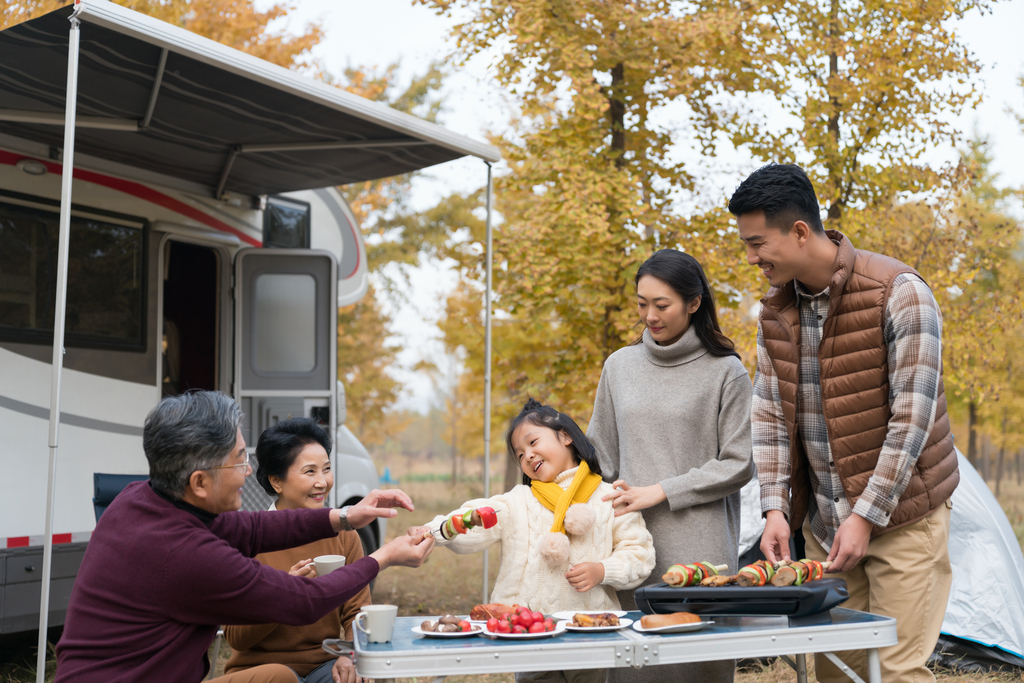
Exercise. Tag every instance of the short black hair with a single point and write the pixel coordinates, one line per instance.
(536, 413)
(783, 192)
(281, 444)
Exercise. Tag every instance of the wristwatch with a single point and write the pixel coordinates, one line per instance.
(343, 517)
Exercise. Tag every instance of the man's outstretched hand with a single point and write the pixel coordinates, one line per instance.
(375, 504)
(404, 551)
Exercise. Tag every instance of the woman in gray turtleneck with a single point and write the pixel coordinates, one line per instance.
(671, 426)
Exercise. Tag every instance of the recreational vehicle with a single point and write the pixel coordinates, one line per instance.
(208, 250)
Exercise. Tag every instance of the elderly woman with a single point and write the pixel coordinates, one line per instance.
(171, 558)
(295, 466)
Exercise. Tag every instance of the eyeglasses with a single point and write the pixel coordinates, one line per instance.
(244, 463)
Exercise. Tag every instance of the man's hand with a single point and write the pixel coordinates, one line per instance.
(626, 498)
(344, 671)
(404, 551)
(775, 539)
(850, 544)
(418, 531)
(377, 504)
(585, 575)
(303, 568)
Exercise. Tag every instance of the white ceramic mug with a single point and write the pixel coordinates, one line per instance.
(380, 622)
(325, 564)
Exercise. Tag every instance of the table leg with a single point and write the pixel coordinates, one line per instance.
(801, 668)
(874, 666)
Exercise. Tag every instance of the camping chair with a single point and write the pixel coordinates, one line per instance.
(106, 487)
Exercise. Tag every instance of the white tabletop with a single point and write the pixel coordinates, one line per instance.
(729, 637)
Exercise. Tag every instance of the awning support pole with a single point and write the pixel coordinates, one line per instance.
(487, 363)
(151, 107)
(67, 172)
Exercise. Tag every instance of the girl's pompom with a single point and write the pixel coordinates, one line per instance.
(579, 519)
(554, 548)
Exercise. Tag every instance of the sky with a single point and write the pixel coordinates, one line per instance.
(381, 32)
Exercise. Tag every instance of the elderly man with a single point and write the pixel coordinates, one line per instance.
(171, 558)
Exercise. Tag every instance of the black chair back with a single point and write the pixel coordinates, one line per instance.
(106, 487)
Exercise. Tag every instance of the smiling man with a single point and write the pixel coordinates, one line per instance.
(171, 558)
(849, 425)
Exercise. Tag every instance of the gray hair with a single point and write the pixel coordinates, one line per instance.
(193, 431)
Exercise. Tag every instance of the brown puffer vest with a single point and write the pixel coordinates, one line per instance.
(852, 358)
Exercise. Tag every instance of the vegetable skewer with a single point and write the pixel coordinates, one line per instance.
(460, 524)
(691, 574)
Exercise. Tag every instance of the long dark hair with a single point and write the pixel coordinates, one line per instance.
(281, 444)
(683, 274)
(536, 413)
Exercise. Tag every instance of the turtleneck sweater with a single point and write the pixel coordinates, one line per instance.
(678, 416)
(621, 544)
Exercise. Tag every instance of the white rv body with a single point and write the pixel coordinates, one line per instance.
(188, 154)
(107, 392)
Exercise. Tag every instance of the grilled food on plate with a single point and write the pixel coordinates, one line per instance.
(661, 620)
(492, 610)
(594, 620)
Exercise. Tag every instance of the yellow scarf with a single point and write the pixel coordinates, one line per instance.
(555, 498)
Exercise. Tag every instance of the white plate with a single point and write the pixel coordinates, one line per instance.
(451, 634)
(569, 614)
(559, 629)
(623, 623)
(676, 628)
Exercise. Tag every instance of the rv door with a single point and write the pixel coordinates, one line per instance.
(286, 327)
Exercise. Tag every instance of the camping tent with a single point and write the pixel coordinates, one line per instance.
(984, 624)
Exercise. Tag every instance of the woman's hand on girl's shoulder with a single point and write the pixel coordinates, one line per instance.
(625, 498)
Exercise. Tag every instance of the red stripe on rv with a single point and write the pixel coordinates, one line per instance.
(25, 541)
(140, 191)
(17, 542)
(61, 538)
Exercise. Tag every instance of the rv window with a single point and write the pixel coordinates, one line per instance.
(286, 224)
(285, 318)
(105, 279)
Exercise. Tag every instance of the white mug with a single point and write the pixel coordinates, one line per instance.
(325, 564)
(380, 622)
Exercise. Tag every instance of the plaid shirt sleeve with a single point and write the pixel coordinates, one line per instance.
(768, 433)
(913, 333)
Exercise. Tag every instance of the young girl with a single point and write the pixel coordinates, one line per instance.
(562, 548)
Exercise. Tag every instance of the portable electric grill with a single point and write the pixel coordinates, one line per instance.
(790, 601)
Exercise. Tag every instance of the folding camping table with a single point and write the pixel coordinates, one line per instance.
(729, 637)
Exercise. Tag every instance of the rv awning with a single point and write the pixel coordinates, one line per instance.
(161, 99)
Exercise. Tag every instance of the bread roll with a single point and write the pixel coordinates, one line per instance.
(660, 620)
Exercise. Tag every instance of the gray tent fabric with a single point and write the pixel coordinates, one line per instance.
(986, 603)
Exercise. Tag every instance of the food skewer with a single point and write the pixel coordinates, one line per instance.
(756, 574)
(797, 573)
(460, 524)
(680, 575)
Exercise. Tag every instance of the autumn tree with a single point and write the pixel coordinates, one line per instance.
(235, 23)
(593, 186)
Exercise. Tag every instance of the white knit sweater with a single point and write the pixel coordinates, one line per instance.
(623, 545)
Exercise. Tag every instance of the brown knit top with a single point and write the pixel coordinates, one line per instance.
(298, 646)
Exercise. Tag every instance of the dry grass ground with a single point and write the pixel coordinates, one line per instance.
(450, 582)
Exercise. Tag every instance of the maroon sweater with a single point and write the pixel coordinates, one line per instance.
(158, 580)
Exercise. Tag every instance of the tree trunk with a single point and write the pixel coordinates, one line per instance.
(1002, 452)
(833, 160)
(513, 475)
(1018, 458)
(984, 459)
(617, 113)
(972, 435)
(455, 450)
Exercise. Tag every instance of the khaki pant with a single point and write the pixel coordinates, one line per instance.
(265, 673)
(904, 574)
